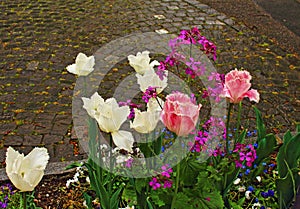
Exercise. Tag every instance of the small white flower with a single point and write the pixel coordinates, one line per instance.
(83, 65)
(247, 194)
(256, 205)
(237, 181)
(242, 189)
(84, 204)
(258, 178)
(25, 172)
(87, 179)
(69, 181)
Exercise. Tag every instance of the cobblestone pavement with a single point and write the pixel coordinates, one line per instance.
(38, 39)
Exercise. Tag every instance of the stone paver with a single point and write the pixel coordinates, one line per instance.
(38, 39)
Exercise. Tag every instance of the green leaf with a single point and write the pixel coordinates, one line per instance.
(242, 136)
(73, 165)
(265, 147)
(189, 170)
(114, 200)
(157, 144)
(149, 203)
(129, 194)
(182, 201)
(287, 137)
(155, 198)
(288, 155)
(286, 189)
(261, 129)
(88, 200)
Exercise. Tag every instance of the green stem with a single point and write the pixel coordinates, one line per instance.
(238, 123)
(227, 127)
(176, 185)
(24, 199)
(110, 166)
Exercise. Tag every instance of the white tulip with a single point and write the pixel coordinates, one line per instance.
(92, 104)
(141, 62)
(25, 172)
(150, 78)
(83, 65)
(112, 116)
(146, 121)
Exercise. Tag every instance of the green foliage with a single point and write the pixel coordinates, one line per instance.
(266, 143)
(189, 170)
(266, 146)
(288, 167)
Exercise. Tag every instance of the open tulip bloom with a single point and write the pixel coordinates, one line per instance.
(83, 65)
(25, 172)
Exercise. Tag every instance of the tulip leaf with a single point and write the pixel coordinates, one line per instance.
(261, 129)
(73, 165)
(241, 137)
(114, 202)
(265, 147)
(286, 189)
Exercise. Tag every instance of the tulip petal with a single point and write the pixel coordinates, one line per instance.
(253, 95)
(123, 140)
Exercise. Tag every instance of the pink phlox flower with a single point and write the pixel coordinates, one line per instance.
(154, 183)
(166, 171)
(190, 72)
(171, 61)
(204, 94)
(131, 107)
(129, 163)
(168, 184)
(208, 47)
(149, 93)
(193, 98)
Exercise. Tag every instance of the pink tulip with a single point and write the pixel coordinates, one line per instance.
(237, 85)
(180, 113)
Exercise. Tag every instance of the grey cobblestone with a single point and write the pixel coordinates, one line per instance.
(39, 39)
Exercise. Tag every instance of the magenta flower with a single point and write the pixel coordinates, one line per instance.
(237, 85)
(154, 183)
(167, 184)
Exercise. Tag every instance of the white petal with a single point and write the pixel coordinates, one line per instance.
(93, 104)
(123, 140)
(150, 78)
(72, 69)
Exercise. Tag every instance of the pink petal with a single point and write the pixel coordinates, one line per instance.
(253, 95)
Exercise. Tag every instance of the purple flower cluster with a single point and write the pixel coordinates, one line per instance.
(131, 106)
(6, 190)
(247, 154)
(149, 93)
(269, 193)
(194, 36)
(162, 180)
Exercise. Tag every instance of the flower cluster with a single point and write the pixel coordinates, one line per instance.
(247, 154)
(163, 179)
(6, 191)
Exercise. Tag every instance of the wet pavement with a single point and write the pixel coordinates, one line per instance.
(287, 12)
(38, 39)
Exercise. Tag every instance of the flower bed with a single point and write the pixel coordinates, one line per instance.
(156, 150)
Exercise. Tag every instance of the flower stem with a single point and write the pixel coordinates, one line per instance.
(176, 185)
(24, 200)
(227, 127)
(110, 165)
(238, 122)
